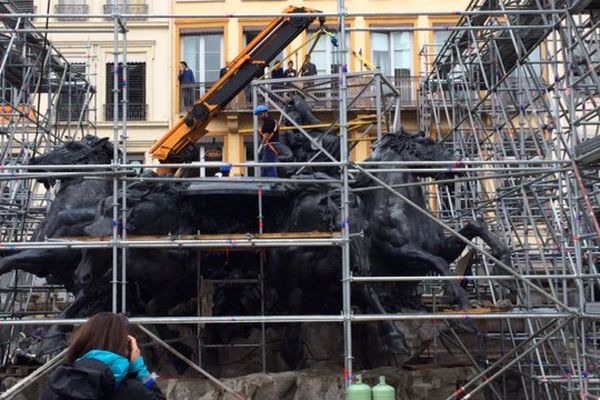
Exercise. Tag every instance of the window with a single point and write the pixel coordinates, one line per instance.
(73, 95)
(203, 52)
(325, 55)
(72, 7)
(24, 6)
(392, 53)
(136, 90)
(439, 39)
(251, 32)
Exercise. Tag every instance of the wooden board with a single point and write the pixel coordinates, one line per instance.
(217, 236)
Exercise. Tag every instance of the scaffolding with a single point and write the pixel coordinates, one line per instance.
(514, 92)
(517, 91)
(45, 100)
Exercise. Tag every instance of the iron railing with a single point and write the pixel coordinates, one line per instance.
(82, 9)
(135, 112)
(407, 86)
(130, 9)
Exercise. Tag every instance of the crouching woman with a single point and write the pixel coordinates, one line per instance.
(103, 362)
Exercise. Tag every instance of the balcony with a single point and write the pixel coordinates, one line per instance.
(108, 9)
(321, 93)
(135, 112)
(80, 9)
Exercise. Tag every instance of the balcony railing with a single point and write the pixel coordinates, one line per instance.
(82, 9)
(130, 9)
(322, 94)
(135, 112)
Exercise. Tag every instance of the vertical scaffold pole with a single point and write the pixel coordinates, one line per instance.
(115, 161)
(125, 108)
(343, 94)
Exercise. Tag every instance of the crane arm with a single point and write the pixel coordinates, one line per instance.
(249, 64)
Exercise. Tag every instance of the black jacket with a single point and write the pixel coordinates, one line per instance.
(89, 379)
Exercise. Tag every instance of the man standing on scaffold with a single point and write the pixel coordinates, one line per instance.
(270, 146)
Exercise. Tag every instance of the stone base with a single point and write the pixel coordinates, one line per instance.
(323, 382)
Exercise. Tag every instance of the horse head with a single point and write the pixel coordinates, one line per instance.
(90, 150)
(404, 146)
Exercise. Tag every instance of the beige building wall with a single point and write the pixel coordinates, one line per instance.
(225, 127)
(157, 42)
(149, 41)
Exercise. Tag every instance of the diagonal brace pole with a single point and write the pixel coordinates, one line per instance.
(192, 365)
(489, 380)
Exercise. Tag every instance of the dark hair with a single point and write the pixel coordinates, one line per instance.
(184, 63)
(291, 62)
(104, 331)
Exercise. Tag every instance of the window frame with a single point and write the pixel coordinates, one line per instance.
(200, 55)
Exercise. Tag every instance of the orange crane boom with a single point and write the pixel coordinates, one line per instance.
(249, 64)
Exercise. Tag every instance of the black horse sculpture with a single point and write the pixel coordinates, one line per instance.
(397, 240)
(73, 208)
(400, 236)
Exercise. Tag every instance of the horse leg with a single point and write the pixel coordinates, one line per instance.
(292, 350)
(453, 246)
(34, 261)
(395, 341)
(418, 256)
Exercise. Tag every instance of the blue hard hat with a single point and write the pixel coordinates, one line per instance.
(260, 109)
(225, 168)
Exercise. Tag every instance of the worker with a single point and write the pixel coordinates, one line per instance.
(277, 73)
(308, 68)
(186, 80)
(269, 132)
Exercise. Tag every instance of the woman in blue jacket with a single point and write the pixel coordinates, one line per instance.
(103, 362)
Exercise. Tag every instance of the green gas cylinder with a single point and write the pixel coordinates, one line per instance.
(383, 391)
(359, 390)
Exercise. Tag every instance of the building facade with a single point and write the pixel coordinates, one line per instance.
(156, 46)
(207, 44)
(149, 69)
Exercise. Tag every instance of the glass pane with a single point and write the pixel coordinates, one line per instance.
(212, 57)
(319, 56)
(380, 41)
(535, 57)
(190, 53)
(440, 37)
(380, 44)
(402, 52)
(212, 43)
(402, 59)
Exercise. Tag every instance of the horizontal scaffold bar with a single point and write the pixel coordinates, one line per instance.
(253, 319)
(209, 241)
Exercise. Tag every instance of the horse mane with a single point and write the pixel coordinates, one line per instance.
(399, 142)
(103, 154)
